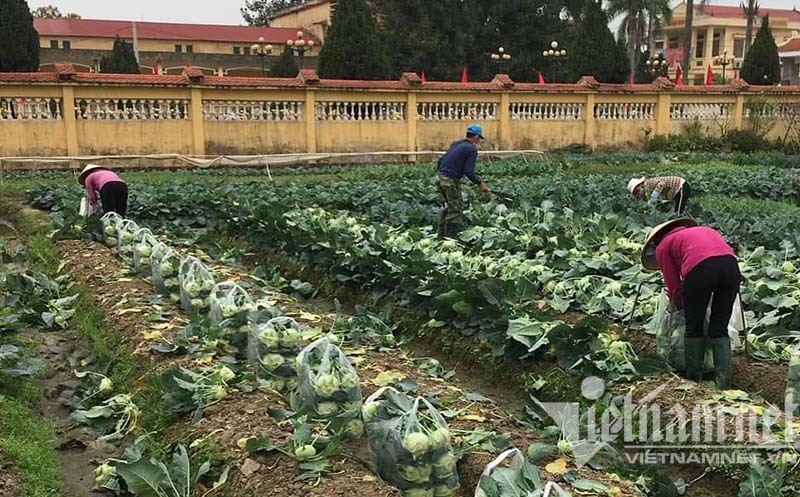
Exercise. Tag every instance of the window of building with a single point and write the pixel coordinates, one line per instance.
(178, 48)
(674, 42)
(716, 44)
(658, 46)
(247, 50)
(53, 43)
(738, 48)
(700, 49)
(66, 44)
(237, 50)
(189, 48)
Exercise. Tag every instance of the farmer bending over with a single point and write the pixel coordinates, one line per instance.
(672, 188)
(459, 161)
(697, 263)
(112, 190)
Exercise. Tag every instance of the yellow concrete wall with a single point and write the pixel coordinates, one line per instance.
(360, 136)
(43, 138)
(546, 135)
(254, 138)
(438, 135)
(311, 18)
(134, 137)
(198, 46)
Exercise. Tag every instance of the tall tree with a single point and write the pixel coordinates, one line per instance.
(258, 12)
(19, 41)
(122, 59)
(751, 13)
(286, 66)
(762, 65)
(353, 48)
(594, 50)
(52, 12)
(640, 18)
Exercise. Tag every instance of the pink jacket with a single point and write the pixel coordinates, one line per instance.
(96, 180)
(682, 250)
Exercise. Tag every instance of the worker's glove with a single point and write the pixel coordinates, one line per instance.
(484, 187)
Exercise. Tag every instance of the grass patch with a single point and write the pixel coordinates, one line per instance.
(28, 439)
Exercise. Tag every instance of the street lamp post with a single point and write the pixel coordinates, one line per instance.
(300, 46)
(657, 66)
(501, 58)
(556, 55)
(724, 61)
(262, 50)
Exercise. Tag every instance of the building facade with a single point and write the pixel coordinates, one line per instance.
(167, 48)
(314, 16)
(718, 30)
(789, 53)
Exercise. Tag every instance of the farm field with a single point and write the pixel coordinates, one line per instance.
(533, 298)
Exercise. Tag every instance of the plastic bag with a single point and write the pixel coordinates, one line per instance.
(143, 244)
(196, 283)
(497, 480)
(230, 302)
(127, 233)
(110, 223)
(410, 444)
(272, 352)
(327, 384)
(86, 209)
(165, 274)
(792, 398)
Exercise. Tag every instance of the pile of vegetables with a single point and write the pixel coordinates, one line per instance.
(196, 283)
(273, 348)
(231, 303)
(410, 444)
(186, 390)
(110, 223)
(144, 245)
(512, 474)
(328, 387)
(127, 234)
(165, 273)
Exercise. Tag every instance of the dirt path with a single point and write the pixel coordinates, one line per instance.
(9, 478)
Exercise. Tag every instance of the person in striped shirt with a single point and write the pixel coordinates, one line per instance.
(652, 190)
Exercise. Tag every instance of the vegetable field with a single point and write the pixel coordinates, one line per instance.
(304, 332)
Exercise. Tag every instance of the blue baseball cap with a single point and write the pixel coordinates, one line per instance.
(475, 129)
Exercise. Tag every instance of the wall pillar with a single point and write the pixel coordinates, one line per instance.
(662, 114)
(309, 116)
(198, 126)
(70, 122)
(505, 121)
(708, 59)
(589, 136)
(411, 123)
(738, 112)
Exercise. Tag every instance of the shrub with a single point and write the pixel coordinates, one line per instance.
(746, 141)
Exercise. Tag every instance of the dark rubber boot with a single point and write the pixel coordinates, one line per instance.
(694, 357)
(721, 348)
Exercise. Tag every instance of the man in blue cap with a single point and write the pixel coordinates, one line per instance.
(458, 162)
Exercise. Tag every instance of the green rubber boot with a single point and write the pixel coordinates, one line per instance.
(694, 357)
(721, 348)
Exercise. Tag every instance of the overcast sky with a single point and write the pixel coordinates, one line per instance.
(210, 11)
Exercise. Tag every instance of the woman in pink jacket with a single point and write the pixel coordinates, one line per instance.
(105, 184)
(698, 267)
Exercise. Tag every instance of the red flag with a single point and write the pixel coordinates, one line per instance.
(423, 77)
(709, 76)
(541, 79)
(679, 76)
(464, 77)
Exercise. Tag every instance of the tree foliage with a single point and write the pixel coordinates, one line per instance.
(258, 12)
(594, 52)
(122, 59)
(353, 49)
(52, 12)
(761, 64)
(639, 19)
(286, 65)
(19, 41)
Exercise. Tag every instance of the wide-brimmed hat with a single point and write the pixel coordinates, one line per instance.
(649, 250)
(633, 183)
(88, 169)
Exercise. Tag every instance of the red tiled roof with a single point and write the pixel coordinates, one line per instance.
(793, 45)
(96, 28)
(736, 12)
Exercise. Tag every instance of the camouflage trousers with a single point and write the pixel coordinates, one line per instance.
(454, 205)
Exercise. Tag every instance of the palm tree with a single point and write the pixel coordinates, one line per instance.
(687, 36)
(640, 19)
(751, 13)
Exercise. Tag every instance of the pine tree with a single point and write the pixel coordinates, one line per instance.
(285, 66)
(594, 52)
(761, 64)
(353, 48)
(19, 41)
(122, 59)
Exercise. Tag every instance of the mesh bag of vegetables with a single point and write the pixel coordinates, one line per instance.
(127, 233)
(142, 250)
(196, 283)
(793, 382)
(230, 302)
(165, 265)
(410, 444)
(110, 223)
(512, 474)
(272, 351)
(327, 385)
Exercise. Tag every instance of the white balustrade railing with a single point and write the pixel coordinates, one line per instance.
(30, 108)
(131, 109)
(546, 111)
(704, 112)
(624, 111)
(775, 110)
(360, 111)
(456, 111)
(252, 110)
